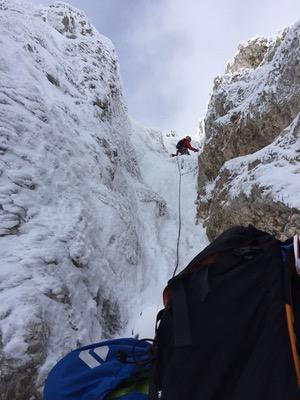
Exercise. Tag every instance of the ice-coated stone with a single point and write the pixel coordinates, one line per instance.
(253, 120)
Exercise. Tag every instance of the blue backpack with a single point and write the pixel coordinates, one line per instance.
(113, 369)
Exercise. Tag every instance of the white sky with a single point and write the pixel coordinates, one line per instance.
(171, 50)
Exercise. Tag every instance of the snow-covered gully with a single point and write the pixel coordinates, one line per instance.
(160, 172)
(89, 199)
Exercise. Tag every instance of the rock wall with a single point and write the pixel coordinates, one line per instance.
(71, 194)
(252, 119)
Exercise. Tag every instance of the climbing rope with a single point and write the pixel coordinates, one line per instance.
(179, 215)
(179, 210)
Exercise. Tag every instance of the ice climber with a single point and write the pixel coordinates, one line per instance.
(183, 147)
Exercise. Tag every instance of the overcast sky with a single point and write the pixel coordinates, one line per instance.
(171, 50)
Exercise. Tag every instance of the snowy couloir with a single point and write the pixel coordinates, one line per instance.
(88, 199)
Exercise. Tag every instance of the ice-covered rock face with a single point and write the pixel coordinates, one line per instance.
(253, 104)
(261, 189)
(69, 22)
(249, 55)
(70, 189)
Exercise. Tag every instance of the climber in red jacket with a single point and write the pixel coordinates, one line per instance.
(183, 147)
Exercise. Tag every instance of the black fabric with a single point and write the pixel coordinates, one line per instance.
(236, 321)
(179, 144)
(183, 151)
(181, 323)
(295, 301)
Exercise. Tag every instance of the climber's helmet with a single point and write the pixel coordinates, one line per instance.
(188, 138)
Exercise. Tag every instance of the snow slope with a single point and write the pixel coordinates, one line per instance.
(161, 174)
(89, 200)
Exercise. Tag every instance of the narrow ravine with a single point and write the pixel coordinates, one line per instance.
(160, 172)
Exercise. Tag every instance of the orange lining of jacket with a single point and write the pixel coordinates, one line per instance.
(293, 340)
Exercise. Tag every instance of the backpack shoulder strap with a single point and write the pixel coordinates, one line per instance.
(290, 264)
(293, 340)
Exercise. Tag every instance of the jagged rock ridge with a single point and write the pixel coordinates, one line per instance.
(253, 120)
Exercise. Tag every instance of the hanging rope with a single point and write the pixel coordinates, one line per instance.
(179, 215)
(179, 211)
